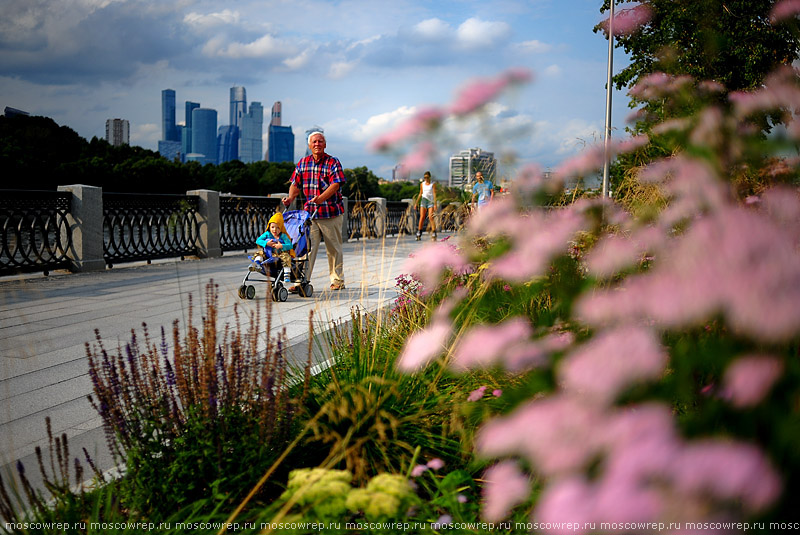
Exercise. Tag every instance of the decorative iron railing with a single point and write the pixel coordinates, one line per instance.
(148, 227)
(243, 219)
(399, 218)
(35, 233)
(362, 220)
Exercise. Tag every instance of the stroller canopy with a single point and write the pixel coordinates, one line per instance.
(295, 221)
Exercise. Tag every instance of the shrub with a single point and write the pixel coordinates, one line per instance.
(203, 422)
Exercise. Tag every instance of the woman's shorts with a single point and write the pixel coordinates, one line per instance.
(425, 203)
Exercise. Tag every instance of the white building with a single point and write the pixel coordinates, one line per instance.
(466, 163)
(118, 132)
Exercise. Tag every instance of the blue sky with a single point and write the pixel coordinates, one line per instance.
(354, 67)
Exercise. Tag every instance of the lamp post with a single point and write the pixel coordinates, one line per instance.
(607, 137)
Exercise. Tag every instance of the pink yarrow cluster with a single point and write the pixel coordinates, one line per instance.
(711, 256)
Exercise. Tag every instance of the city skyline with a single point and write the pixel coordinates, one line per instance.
(81, 64)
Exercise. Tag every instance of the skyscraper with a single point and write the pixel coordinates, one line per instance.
(169, 132)
(227, 144)
(204, 135)
(281, 144)
(118, 132)
(186, 132)
(466, 163)
(251, 129)
(238, 106)
(170, 144)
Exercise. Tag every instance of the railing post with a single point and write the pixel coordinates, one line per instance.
(208, 224)
(410, 225)
(380, 222)
(85, 220)
(345, 233)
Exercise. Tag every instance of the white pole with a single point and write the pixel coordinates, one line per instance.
(607, 137)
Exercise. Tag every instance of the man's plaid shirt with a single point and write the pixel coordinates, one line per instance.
(313, 178)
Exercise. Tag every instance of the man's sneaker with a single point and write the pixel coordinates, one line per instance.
(419, 235)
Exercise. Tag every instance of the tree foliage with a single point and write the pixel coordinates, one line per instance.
(731, 42)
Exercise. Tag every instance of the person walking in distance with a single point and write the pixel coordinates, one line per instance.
(319, 176)
(483, 190)
(427, 204)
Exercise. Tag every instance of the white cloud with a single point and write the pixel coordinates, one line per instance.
(264, 46)
(299, 61)
(433, 29)
(381, 123)
(535, 47)
(212, 19)
(340, 69)
(474, 32)
(146, 134)
(552, 70)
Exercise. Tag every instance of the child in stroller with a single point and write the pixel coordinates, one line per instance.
(282, 256)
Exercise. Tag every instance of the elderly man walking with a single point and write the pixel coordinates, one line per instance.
(319, 176)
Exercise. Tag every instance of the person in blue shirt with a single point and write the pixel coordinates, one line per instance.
(275, 242)
(483, 190)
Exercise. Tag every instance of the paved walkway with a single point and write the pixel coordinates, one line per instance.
(46, 321)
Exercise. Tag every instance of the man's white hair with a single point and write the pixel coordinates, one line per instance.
(315, 133)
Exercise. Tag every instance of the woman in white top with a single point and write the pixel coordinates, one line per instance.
(427, 204)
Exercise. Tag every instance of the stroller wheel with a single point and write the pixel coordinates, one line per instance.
(283, 294)
(251, 292)
(306, 290)
(242, 292)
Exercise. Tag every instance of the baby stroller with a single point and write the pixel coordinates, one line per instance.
(298, 223)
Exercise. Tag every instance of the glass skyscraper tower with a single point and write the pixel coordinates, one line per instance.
(169, 132)
(238, 106)
(250, 141)
(204, 136)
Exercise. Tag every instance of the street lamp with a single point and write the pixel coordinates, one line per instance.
(607, 137)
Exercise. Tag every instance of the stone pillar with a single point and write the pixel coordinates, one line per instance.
(380, 223)
(85, 220)
(209, 230)
(410, 221)
(345, 233)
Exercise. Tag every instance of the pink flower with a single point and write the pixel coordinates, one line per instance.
(420, 157)
(423, 121)
(558, 434)
(748, 379)
(429, 264)
(442, 521)
(484, 345)
(566, 506)
(481, 92)
(784, 10)
(593, 157)
(727, 471)
(616, 252)
(462, 499)
(476, 394)
(612, 361)
(752, 277)
(425, 345)
(628, 21)
(506, 487)
(436, 464)
(418, 470)
(497, 393)
(536, 240)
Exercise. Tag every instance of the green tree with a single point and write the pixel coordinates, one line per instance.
(730, 42)
(360, 184)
